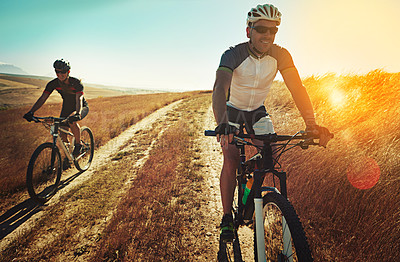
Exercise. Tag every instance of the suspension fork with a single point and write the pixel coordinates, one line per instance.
(54, 132)
(259, 214)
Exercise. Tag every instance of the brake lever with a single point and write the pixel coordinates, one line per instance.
(35, 119)
(305, 144)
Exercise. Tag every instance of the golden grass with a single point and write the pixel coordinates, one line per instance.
(345, 223)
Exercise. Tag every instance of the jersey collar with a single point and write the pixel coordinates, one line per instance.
(253, 54)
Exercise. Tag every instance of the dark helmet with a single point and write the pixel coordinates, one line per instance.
(61, 64)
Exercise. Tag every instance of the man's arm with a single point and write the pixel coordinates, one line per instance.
(303, 103)
(42, 99)
(221, 86)
(300, 95)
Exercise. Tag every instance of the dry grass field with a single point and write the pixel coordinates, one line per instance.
(346, 195)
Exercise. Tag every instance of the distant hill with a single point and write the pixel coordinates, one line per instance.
(11, 69)
(22, 90)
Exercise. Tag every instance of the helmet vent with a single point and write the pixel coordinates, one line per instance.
(254, 14)
(262, 11)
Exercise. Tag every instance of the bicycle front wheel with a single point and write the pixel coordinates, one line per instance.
(284, 236)
(83, 161)
(44, 173)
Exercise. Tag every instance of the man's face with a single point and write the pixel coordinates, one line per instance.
(62, 75)
(262, 41)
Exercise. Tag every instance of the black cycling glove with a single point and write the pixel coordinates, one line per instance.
(29, 116)
(320, 131)
(225, 129)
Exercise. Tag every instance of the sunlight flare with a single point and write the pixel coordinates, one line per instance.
(363, 172)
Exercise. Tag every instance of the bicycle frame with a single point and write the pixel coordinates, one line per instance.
(55, 130)
(264, 164)
(254, 204)
(63, 144)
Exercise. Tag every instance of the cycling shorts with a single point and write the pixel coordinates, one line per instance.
(67, 110)
(255, 122)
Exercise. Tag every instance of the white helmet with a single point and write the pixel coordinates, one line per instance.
(267, 12)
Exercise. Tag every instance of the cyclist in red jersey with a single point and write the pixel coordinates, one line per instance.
(243, 79)
(74, 104)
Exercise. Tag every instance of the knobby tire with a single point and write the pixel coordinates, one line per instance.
(44, 173)
(276, 206)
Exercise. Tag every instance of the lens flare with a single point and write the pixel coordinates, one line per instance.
(363, 172)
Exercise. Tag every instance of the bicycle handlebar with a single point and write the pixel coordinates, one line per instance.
(39, 119)
(307, 138)
(269, 137)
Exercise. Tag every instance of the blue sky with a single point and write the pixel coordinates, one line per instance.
(177, 44)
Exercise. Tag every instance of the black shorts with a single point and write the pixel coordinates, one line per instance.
(68, 108)
(246, 119)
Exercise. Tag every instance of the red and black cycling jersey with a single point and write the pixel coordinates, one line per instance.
(67, 91)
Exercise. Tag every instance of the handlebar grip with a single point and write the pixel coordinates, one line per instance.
(209, 133)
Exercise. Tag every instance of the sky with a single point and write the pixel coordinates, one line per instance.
(177, 44)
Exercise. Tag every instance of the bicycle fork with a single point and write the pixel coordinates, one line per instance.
(259, 216)
(53, 131)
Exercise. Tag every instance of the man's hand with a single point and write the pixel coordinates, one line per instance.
(74, 118)
(225, 134)
(29, 116)
(322, 132)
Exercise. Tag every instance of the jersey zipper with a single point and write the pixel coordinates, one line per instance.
(256, 82)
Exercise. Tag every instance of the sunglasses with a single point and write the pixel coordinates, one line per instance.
(61, 71)
(263, 29)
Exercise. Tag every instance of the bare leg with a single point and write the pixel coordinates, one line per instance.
(63, 135)
(228, 177)
(76, 130)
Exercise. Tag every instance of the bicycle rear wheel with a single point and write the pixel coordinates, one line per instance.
(83, 161)
(44, 173)
(284, 236)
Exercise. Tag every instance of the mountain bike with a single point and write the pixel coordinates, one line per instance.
(45, 166)
(278, 233)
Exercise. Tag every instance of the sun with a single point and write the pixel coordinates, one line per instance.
(337, 98)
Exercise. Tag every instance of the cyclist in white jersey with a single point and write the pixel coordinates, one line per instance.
(243, 79)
